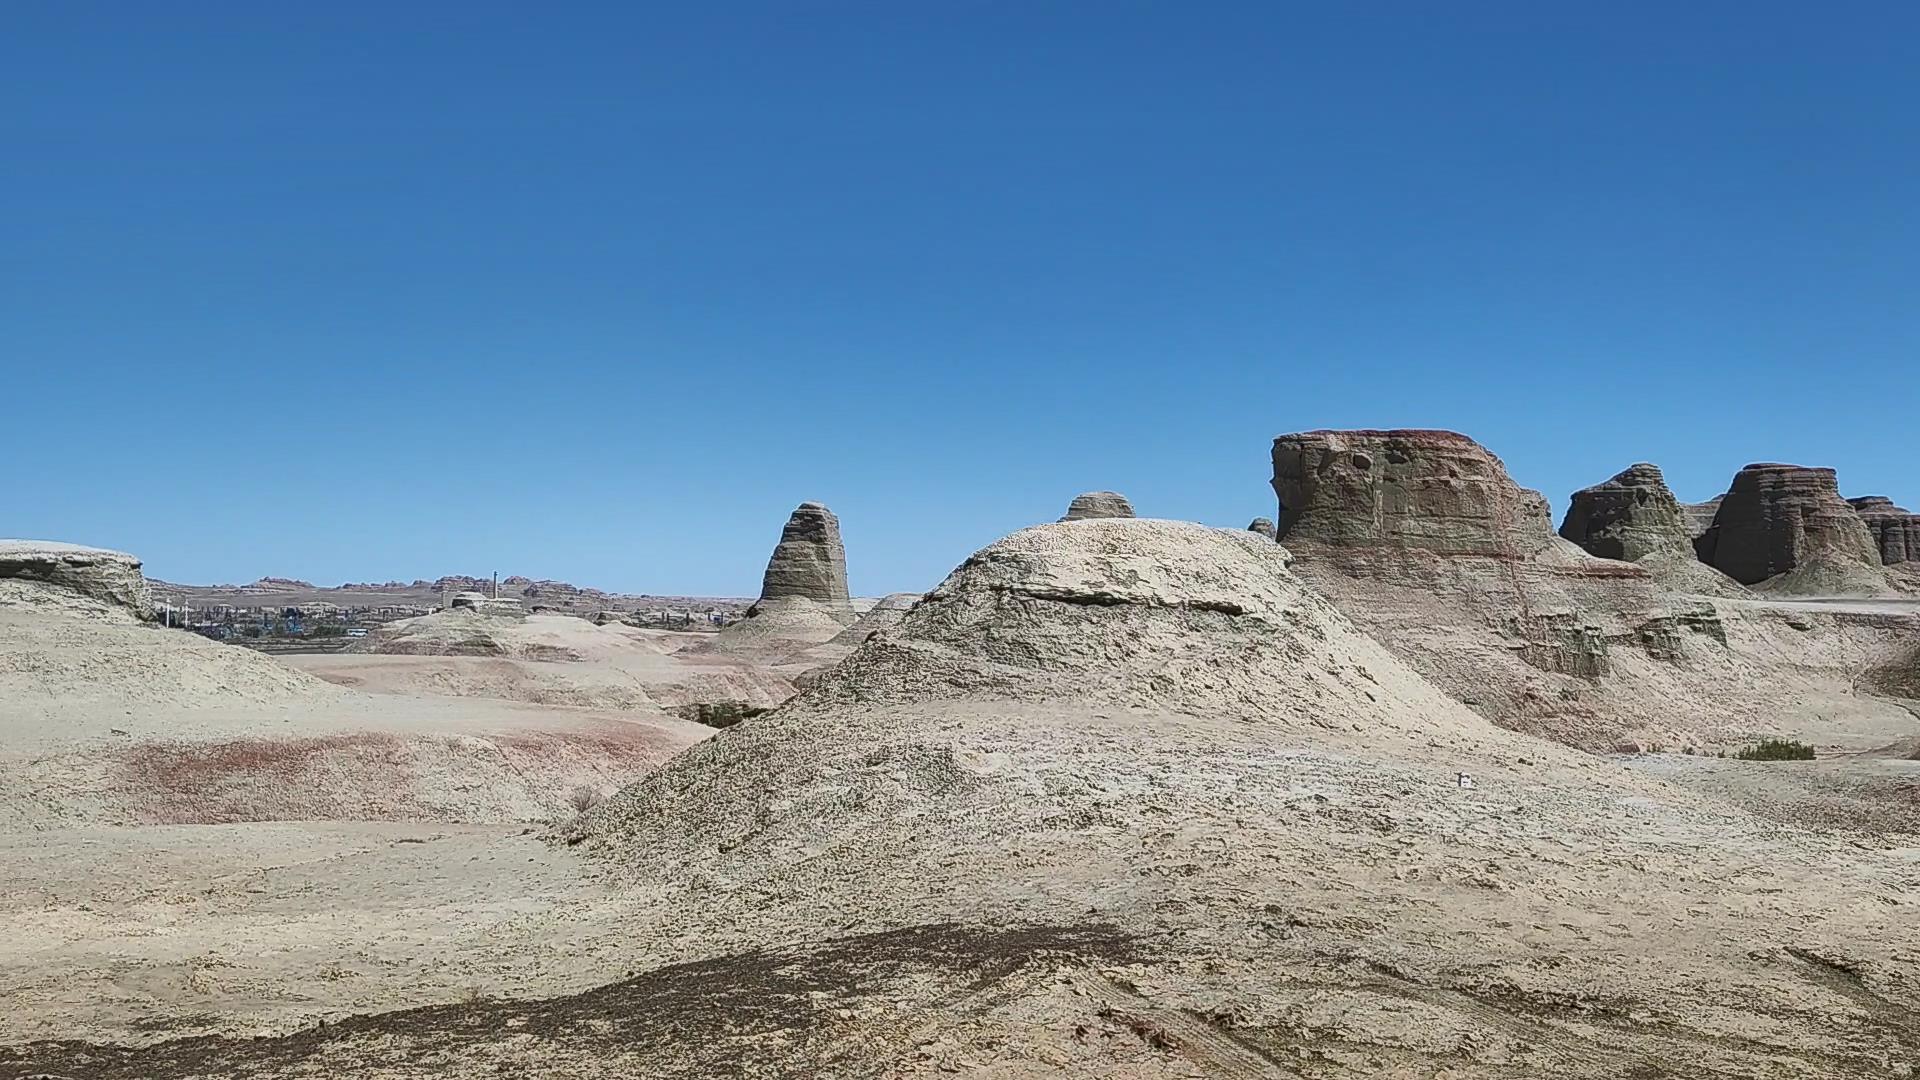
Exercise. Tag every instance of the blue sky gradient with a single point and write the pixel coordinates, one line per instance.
(600, 291)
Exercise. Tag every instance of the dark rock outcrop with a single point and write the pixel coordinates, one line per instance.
(1435, 491)
(1261, 526)
(106, 577)
(1628, 517)
(1780, 518)
(1895, 530)
(1098, 504)
(809, 562)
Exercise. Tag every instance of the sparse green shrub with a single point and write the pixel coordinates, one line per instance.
(1777, 750)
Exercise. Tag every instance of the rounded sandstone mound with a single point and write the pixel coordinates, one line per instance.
(885, 614)
(1130, 612)
(1060, 662)
(86, 667)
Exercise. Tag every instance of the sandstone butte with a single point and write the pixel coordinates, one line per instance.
(1629, 517)
(809, 562)
(1433, 491)
(1895, 530)
(1776, 518)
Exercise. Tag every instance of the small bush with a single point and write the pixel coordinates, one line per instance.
(1777, 750)
(584, 798)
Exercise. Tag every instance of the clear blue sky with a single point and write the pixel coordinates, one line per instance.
(354, 291)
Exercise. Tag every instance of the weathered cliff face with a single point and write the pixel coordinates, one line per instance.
(46, 570)
(1781, 518)
(1098, 504)
(1700, 516)
(1628, 517)
(1423, 539)
(1895, 530)
(1433, 491)
(809, 562)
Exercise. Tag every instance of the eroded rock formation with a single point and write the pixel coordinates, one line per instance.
(1262, 526)
(96, 575)
(1780, 518)
(809, 562)
(1434, 491)
(1700, 516)
(1423, 539)
(1628, 517)
(1895, 530)
(1098, 504)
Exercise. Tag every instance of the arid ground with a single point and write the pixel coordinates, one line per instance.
(1440, 796)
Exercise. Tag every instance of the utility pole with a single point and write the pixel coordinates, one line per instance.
(496, 584)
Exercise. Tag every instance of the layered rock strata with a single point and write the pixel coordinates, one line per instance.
(1629, 517)
(1778, 518)
(1098, 504)
(96, 575)
(1432, 491)
(1895, 530)
(809, 562)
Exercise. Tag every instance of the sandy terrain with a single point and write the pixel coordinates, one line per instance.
(1119, 799)
(133, 934)
(192, 834)
(549, 660)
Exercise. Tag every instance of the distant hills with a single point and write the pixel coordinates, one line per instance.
(559, 596)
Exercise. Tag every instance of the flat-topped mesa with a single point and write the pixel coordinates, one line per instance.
(1628, 517)
(1895, 529)
(1433, 491)
(1776, 518)
(1098, 504)
(809, 562)
(69, 571)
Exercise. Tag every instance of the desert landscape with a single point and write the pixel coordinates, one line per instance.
(1400, 781)
(1000, 541)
